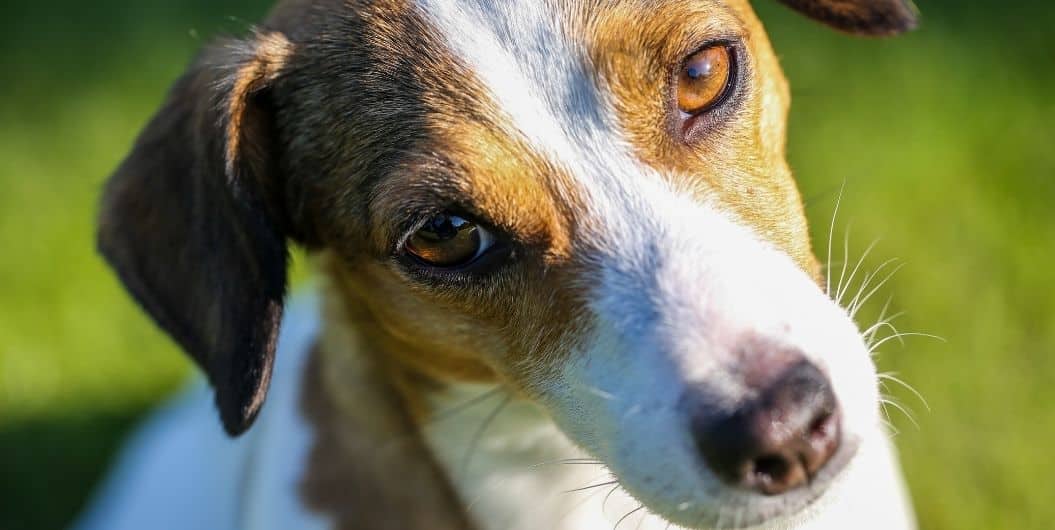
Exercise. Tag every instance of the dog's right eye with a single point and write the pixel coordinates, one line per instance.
(449, 241)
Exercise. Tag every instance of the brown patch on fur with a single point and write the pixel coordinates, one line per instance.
(418, 140)
(369, 467)
(736, 155)
(270, 55)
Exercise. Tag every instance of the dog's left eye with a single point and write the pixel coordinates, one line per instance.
(447, 240)
(704, 79)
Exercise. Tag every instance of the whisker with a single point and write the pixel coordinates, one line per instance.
(853, 274)
(867, 280)
(892, 377)
(883, 322)
(831, 232)
(903, 408)
(870, 338)
(608, 496)
(592, 486)
(641, 520)
(455, 409)
(628, 514)
(887, 420)
(572, 462)
(579, 504)
(474, 442)
(899, 336)
(858, 301)
(894, 431)
(846, 259)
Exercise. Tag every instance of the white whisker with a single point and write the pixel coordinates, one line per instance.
(475, 440)
(831, 232)
(870, 334)
(900, 336)
(907, 411)
(858, 300)
(853, 274)
(892, 377)
(846, 259)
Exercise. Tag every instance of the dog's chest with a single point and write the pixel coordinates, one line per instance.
(515, 470)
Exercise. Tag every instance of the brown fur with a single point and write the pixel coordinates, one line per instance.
(741, 158)
(368, 467)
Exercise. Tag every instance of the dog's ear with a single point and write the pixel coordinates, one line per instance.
(193, 223)
(860, 17)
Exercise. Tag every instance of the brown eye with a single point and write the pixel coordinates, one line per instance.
(704, 78)
(447, 240)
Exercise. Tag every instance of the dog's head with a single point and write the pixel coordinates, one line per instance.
(588, 201)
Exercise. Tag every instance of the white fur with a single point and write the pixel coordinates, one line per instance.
(181, 471)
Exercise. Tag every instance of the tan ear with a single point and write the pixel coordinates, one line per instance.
(860, 17)
(192, 223)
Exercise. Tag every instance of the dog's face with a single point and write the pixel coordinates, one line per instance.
(587, 201)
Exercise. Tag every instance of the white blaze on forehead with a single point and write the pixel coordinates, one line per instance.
(541, 79)
(532, 71)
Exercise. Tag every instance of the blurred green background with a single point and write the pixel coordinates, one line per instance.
(944, 140)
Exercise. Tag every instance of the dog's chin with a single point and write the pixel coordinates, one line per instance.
(732, 508)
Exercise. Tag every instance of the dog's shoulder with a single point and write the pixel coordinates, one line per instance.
(180, 470)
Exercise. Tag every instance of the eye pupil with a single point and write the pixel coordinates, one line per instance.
(444, 227)
(448, 240)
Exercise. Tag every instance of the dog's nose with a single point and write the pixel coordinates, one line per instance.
(779, 440)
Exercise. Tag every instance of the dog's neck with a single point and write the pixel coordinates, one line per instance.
(368, 467)
(456, 451)
(508, 462)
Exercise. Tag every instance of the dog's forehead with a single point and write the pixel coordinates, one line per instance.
(541, 114)
(573, 77)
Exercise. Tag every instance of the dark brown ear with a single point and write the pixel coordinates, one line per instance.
(192, 223)
(860, 17)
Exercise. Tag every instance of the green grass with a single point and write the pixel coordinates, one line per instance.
(944, 140)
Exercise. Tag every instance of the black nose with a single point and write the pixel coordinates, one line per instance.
(779, 440)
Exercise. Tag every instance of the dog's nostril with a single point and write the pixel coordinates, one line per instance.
(821, 425)
(778, 441)
(773, 468)
(776, 473)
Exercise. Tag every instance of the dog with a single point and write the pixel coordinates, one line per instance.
(565, 279)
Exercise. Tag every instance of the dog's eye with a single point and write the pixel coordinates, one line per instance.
(447, 240)
(704, 79)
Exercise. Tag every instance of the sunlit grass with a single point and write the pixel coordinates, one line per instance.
(944, 141)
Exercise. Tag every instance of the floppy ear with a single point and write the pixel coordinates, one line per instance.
(860, 17)
(193, 224)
